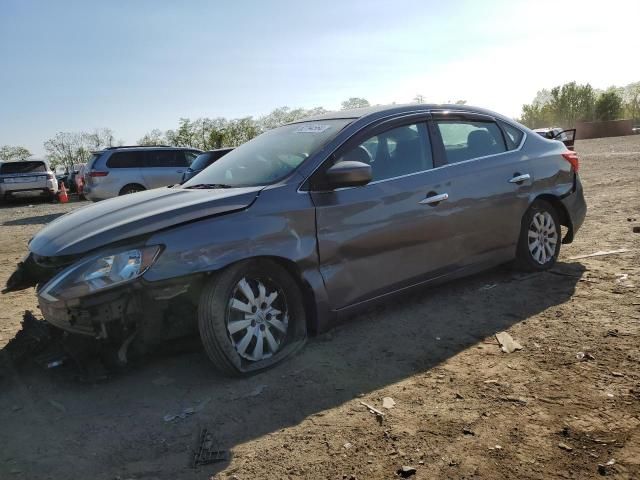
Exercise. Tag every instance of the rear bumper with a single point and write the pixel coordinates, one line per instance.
(24, 191)
(576, 208)
(94, 194)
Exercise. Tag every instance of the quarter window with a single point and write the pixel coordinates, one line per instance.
(394, 153)
(464, 140)
(513, 135)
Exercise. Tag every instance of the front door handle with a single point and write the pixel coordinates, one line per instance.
(179, 171)
(520, 178)
(432, 200)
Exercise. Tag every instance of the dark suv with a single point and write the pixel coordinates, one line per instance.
(203, 161)
(122, 170)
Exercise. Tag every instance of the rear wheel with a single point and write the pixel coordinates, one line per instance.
(131, 188)
(539, 243)
(251, 316)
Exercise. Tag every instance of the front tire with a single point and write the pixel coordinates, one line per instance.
(251, 316)
(540, 238)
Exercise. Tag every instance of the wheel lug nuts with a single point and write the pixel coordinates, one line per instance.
(254, 309)
(262, 327)
(263, 306)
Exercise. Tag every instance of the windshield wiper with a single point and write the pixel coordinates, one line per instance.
(210, 185)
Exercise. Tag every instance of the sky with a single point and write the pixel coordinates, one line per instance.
(136, 65)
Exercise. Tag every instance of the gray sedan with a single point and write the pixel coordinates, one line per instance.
(303, 225)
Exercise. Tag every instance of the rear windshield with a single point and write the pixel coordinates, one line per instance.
(22, 167)
(92, 159)
(203, 160)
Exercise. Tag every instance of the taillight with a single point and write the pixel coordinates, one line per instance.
(572, 158)
(96, 173)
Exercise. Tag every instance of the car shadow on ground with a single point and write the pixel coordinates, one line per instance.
(37, 220)
(82, 430)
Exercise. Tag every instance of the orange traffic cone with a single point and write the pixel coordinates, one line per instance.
(62, 194)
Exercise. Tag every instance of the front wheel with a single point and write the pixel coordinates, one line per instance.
(251, 316)
(539, 243)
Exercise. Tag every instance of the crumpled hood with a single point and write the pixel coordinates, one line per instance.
(132, 215)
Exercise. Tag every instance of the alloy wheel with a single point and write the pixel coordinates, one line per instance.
(542, 237)
(257, 318)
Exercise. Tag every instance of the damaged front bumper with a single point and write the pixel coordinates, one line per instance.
(149, 311)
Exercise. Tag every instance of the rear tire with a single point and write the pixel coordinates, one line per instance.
(540, 238)
(251, 316)
(131, 188)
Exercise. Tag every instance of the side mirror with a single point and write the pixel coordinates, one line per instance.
(348, 174)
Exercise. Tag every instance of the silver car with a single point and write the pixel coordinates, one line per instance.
(27, 179)
(122, 170)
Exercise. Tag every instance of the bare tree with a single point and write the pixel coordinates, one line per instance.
(100, 138)
(154, 137)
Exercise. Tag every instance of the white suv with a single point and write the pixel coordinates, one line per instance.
(27, 178)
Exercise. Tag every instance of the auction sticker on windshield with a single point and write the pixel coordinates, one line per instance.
(314, 128)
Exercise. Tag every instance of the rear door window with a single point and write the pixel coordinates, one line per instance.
(12, 168)
(465, 140)
(126, 160)
(166, 159)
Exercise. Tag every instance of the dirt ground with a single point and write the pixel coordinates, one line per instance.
(463, 409)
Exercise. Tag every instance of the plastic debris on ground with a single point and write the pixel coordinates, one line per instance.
(507, 343)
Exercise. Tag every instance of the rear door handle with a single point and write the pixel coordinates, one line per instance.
(520, 178)
(179, 171)
(434, 199)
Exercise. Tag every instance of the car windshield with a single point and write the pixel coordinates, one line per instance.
(22, 167)
(269, 157)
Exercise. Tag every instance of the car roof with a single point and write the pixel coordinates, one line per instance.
(145, 147)
(29, 160)
(390, 110)
(222, 149)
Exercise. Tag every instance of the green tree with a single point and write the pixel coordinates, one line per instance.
(10, 153)
(608, 106)
(355, 102)
(572, 102)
